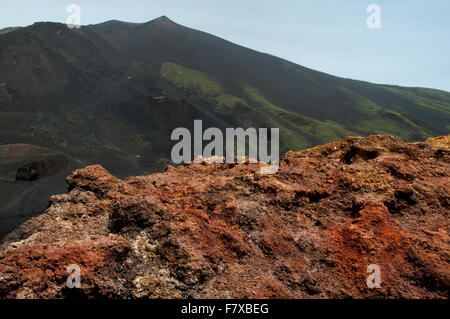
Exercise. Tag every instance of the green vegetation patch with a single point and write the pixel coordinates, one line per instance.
(428, 100)
(393, 123)
(322, 131)
(360, 102)
(200, 85)
(196, 82)
(227, 101)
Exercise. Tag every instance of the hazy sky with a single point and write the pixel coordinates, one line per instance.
(412, 48)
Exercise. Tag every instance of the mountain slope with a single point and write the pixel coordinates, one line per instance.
(111, 94)
(288, 85)
(50, 68)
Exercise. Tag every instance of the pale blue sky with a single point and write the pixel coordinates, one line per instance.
(412, 48)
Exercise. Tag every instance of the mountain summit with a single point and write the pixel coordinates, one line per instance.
(163, 19)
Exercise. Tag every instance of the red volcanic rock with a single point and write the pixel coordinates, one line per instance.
(226, 231)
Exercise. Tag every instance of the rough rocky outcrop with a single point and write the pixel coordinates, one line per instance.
(226, 231)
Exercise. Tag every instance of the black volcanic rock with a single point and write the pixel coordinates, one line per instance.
(42, 168)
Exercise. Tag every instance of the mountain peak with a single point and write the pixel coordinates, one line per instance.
(163, 20)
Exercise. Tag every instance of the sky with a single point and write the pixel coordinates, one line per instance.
(411, 47)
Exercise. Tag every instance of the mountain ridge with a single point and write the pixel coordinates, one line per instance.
(88, 93)
(324, 97)
(166, 18)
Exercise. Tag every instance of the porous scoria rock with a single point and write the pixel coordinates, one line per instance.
(226, 231)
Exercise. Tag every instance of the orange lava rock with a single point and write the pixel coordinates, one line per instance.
(225, 231)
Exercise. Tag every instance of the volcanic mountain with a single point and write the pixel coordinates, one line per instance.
(111, 94)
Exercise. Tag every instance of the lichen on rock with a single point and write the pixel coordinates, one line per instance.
(226, 231)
